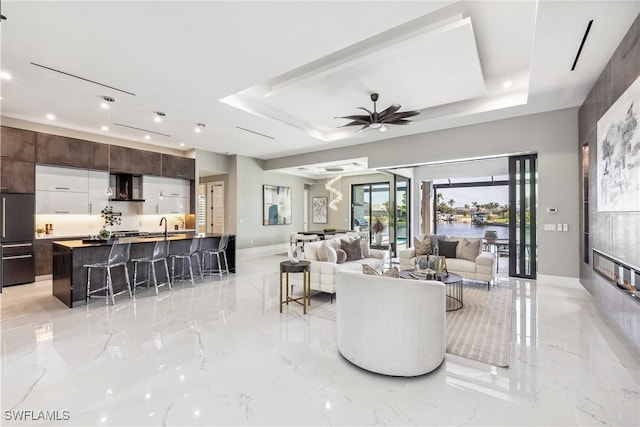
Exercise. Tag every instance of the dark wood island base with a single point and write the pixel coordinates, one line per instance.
(70, 277)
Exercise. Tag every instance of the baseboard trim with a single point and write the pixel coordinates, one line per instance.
(559, 280)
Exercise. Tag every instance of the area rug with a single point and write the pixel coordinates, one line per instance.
(481, 330)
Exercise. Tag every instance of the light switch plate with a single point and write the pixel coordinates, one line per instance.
(565, 227)
(559, 227)
(549, 227)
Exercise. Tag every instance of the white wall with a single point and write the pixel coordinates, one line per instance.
(552, 135)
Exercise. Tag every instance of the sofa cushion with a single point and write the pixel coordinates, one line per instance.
(311, 251)
(341, 256)
(447, 249)
(330, 253)
(353, 249)
(469, 249)
(422, 247)
(321, 253)
(460, 266)
(392, 272)
(364, 246)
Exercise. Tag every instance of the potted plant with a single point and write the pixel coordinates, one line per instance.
(377, 228)
(39, 231)
(110, 219)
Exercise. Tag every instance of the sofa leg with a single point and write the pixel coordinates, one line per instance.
(489, 285)
(331, 296)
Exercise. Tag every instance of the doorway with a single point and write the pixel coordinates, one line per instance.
(215, 207)
(523, 196)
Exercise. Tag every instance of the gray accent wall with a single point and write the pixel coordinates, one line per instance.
(614, 233)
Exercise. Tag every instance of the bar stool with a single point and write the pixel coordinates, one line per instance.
(118, 256)
(194, 251)
(160, 253)
(222, 249)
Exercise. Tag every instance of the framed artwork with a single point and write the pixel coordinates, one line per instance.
(276, 205)
(618, 154)
(319, 210)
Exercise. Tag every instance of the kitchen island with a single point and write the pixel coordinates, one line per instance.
(70, 277)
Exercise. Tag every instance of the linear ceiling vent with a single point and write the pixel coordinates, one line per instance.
(334, 169)
(254, 132)
(142, 130)
(584, 39)
(82, 78)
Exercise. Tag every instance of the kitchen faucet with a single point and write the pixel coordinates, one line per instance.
(165, 226)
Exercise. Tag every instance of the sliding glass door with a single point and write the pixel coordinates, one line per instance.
(523, 191)
(371, 203)
(402, 219)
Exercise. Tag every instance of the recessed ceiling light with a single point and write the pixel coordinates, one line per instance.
(108, 99)
(157, 119)
(199, 127)
(5, 75)
(147, 137)
(104, 105)
(51, 117)
(159, 116)
(182, 144)
(507, 84)
(104, 128)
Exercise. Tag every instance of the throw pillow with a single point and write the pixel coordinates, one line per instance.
(364, 246)
(367, 269)
(332, 256)
(470, 249)
(447, 249)
(321, 254)
(392, 272)
(435, 240)
(422, 247)
(353, 249)
(342, 256)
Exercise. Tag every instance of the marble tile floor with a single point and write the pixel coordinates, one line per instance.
(220, 353)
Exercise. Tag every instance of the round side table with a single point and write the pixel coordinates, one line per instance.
(303, 267)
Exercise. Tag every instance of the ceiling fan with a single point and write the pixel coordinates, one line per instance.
(375, 120)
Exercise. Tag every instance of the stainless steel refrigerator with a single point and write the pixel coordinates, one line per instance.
(16, 239)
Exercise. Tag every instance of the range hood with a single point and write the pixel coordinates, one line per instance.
(125, 187)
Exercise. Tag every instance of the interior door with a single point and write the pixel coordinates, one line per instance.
(523, 216)
(215, 208)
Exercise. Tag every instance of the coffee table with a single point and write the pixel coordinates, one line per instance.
(453, 287)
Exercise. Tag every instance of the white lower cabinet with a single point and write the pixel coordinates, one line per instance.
(61, 202)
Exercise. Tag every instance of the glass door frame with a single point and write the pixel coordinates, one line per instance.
(370, 185)
(523, 255)
(408, 237)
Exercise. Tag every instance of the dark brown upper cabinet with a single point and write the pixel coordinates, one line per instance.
(17, 176)
(100, 156)
(178, 167)
(120, 159)
(63, 151)
(146, 163)
(17, 144)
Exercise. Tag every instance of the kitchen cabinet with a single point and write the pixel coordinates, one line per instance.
(98, 199)
(178, 167)
(146, 163)
(17, 144)
(52, 178)
(44, 257)
(63, 151)
(173, 205)
(150, 192)
(17, 176)
(120, 159)
(61, 202)
(172, 187)
(100, 156)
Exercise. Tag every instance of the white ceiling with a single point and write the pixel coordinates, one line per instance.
(291, 67)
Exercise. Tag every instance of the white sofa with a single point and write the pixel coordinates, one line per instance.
(483, 268)
(391, 326)
(323, 273)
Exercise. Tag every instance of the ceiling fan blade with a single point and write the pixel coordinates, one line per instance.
(399, 122)
(361, 118)
(363, 128)
(370, 113)
(355, 123)
(400, 115)
(388, 111)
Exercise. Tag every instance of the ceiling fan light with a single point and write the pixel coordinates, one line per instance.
(383, 128)
(375, 125)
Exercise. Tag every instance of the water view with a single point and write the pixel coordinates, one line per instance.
(466, 229)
